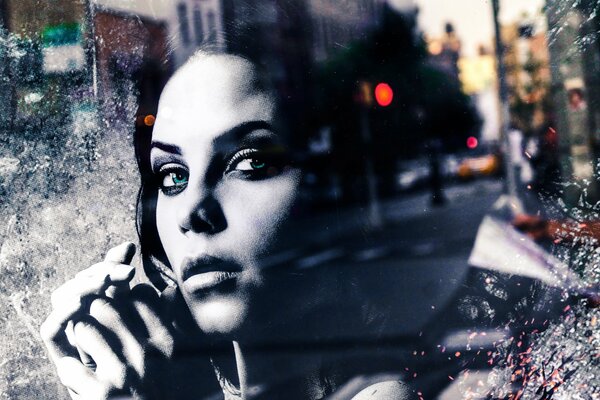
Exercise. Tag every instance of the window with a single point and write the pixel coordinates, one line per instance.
(212, 26)
(184, 26)
(198, 25)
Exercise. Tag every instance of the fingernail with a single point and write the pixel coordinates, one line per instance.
(121, 254)
(121, 273)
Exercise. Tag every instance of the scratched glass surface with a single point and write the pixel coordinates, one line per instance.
(413, 207)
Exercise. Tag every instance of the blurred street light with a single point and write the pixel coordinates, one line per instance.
(384, 94)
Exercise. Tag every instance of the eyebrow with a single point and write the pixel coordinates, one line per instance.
(169, 148)
(237, 133)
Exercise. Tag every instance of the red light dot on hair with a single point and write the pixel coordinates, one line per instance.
(472, 142)
(384, 94)
(149, 120)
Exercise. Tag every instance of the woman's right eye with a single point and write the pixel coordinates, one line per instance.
(173, 180)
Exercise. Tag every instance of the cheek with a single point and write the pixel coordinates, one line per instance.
(256, 210)
(166, 226)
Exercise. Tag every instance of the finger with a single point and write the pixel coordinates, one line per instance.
(53, 333)
(115, 272)
(117, 277)
(113, 320)
(77, 378)
(74, 290)
(73, 395)
(148, 306)
(106, 351)
(121, 254)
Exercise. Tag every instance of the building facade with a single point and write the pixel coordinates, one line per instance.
(575, 71)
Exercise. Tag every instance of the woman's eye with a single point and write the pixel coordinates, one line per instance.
(254, 164)
(173, 181)
(250, 164)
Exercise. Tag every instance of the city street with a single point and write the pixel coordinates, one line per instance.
(413, 232)
(419, 258)
(413, 267)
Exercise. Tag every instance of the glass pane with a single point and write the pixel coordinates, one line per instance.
(319, 199)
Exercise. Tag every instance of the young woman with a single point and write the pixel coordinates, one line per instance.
(219, 185)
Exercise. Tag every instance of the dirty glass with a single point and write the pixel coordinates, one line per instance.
(311, 199)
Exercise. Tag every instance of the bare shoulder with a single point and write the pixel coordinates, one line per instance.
(388, 390)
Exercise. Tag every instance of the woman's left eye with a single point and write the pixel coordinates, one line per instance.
(250, 164)
(172, 179)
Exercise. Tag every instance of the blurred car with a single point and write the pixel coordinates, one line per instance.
(479, 163)
(415, 173)
(412, 173)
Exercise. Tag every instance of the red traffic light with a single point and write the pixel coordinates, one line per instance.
(472, 142)
(384, 94)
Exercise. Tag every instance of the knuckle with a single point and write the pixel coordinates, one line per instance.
(99, 306)
(82, 328)
(46, 330)
(103, 310)
(57, 296)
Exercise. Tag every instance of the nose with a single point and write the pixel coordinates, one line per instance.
(201, 212)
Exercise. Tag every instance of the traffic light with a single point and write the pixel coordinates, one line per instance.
(384, 94)
(472, 142)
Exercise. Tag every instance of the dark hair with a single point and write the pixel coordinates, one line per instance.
(154, 260)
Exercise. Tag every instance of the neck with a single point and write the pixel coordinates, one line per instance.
(246, 372)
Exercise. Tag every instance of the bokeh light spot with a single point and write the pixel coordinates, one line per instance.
(472, 142)
(384, 94)
(149, 120)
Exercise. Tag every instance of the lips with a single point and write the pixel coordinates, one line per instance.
(206, 272)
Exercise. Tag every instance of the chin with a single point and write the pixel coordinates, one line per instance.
(220, 315)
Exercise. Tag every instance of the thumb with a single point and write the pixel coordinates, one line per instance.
(121, 254)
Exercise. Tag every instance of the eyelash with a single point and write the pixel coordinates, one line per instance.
(249, 174)
(240, 156)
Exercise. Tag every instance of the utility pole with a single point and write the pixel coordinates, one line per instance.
(90, 46)
(375, 219)
(510, 183)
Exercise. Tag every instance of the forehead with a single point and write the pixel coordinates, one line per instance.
(210, 95)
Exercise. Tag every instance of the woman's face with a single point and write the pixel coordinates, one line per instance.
(225, 186)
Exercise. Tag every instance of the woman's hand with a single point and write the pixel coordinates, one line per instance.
(106, 340)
